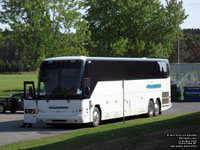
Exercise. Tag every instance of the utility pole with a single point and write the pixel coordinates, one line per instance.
(178, 59)
(178, 52)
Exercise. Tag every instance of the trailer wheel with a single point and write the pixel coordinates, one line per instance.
(2, 108)
(150, 109)
(96, 117)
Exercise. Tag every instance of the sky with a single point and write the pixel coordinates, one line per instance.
(192, 8)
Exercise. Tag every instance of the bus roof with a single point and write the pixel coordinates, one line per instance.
(102, 58)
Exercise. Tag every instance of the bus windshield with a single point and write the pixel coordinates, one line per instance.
(60, 80)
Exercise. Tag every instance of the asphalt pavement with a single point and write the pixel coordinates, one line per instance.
(10, 131)
(182, 107)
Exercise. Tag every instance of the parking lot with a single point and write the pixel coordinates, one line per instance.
(11, 132)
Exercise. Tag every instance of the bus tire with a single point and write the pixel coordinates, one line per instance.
(150, 109)
(156, 108)
(2, 108)
(96, 117)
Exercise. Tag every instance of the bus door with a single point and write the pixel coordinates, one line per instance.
(30, 102)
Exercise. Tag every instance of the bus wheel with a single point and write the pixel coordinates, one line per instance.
(2, 108)
(156, 109)
(150, 109)
(96, 117)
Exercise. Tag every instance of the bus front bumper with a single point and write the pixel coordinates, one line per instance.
(76, 119)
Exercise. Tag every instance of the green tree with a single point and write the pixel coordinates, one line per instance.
(45, 28)
(134, 28)
(184, 54)
(189, 47)
(193, 47)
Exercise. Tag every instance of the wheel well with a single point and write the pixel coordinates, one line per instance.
(2, 104)
(151, 100)
(98, 106)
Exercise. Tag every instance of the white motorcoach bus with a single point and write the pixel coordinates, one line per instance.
(91, 89)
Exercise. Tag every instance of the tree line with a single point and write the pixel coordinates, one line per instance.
(119, 28)
(189, 47)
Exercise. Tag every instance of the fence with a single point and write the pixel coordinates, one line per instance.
(185, 72)
(185, 75)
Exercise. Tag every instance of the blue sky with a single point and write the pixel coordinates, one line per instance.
(192, 8)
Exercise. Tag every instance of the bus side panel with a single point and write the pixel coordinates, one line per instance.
(108, 95)
(137, 93)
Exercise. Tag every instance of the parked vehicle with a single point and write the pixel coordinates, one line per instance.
(92, 89)
(13, 103)
(3, 104)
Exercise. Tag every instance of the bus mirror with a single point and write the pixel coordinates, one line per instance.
(86, 85)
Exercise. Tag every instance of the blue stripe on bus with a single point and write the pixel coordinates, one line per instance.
(153, 86)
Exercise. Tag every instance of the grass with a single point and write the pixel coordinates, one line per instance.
(133, 134)
(14, 82)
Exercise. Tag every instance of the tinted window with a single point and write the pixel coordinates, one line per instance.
(125, 70)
